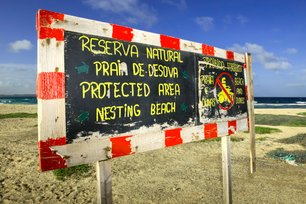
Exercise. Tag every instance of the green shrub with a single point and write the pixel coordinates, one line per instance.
(280, 120)
(18, 115)
(62, 174)
(302, 113)
(265, 130)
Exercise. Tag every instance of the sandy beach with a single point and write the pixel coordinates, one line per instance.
(189, 173)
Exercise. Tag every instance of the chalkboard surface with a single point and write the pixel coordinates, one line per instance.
(114, 86)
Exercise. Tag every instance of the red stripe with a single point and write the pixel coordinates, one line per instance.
(49, 160)
(121, 146)
(210, 130)
(208, 50)
(232, 124)
(170, 42)
(50, 85)
(248, 124)
(230, 55)
(173, 137)
(122, 33)
(46, 18)
(45, 32)
(246, 92)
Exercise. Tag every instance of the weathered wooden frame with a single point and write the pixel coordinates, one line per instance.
(54, 153)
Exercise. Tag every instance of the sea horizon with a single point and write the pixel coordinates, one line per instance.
(259, 101)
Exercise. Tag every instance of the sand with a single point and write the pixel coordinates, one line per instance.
(189, 173)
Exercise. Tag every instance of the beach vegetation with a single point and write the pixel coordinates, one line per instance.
(280, 120)
(297, 139)
(80, 170)
(261, 138)
(302, 113)
(266, 130)
(18, 115)
(217, 139)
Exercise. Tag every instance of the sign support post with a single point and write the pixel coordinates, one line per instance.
(251, 115)
(226, 169)
(104, 182)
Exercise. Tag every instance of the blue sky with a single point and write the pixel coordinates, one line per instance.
(272, 30)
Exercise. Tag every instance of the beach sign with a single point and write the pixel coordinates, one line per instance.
(106, 91)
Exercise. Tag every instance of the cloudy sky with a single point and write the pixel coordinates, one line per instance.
(272, 31)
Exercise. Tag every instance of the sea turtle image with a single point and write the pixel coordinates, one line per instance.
(82, 68)
(82, 117)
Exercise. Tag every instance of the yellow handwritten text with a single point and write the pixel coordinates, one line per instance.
(163, 55)
(240, 100)
(114, 89)
(114, 112)
(234, 67)
(158, 70)
(214, 63)
(209, 102)
(108, 68)
(207, 79)
(163, 108)
(239, 81)
(169, 89)
(107, 47)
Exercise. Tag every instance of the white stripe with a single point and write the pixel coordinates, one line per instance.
(146, 37)
(50, 55)
(220, 53)
(51, 119)
(85, 152)
(190, 134)
(222, 128)
(238, 57)
(242, 125)
(86, 26)
(189, 46)
(148, 141)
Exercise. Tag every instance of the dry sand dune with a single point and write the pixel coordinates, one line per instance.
(189, 173)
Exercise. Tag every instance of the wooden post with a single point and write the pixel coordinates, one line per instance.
(251, 114)
(104, 179)
(226, 169)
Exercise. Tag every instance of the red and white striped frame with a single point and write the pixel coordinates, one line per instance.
(54, 153)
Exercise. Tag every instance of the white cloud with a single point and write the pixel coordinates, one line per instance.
(228, 20)
(266, 58)
(291, 51)
(205, 22)
(242, 19)
(134, 11)
(17, 78)
(20, 45)
(180, 4)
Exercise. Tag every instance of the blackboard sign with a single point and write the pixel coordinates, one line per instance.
(114, 86)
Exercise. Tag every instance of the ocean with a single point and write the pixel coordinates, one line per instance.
(260, 102)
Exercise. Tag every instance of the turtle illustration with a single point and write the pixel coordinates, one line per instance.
(82, 117)
(82, 68)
